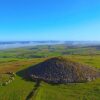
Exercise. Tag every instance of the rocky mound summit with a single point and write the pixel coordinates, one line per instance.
(61, 70)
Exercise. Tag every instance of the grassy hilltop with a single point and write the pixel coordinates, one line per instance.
(16, 60)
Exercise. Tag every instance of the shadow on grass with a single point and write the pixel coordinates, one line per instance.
(33, 92)
(25, 75)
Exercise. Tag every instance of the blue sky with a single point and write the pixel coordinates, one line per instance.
(49, 20)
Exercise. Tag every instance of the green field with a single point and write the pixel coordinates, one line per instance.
(16, 60)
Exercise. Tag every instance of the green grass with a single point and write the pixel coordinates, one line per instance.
(79, 91)
(18, 59)
(93, 61)
(4, 77)
(17, 90)
(48, 51)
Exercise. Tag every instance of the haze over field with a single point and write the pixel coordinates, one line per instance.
(17, 44)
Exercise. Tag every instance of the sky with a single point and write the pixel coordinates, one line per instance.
(68, 20)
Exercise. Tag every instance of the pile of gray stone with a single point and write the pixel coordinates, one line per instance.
(61, 70)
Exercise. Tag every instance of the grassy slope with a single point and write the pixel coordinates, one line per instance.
(79, 91)
(90, 60)
(86, 91)
(19, 89)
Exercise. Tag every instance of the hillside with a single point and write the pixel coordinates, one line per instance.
(20, 60)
